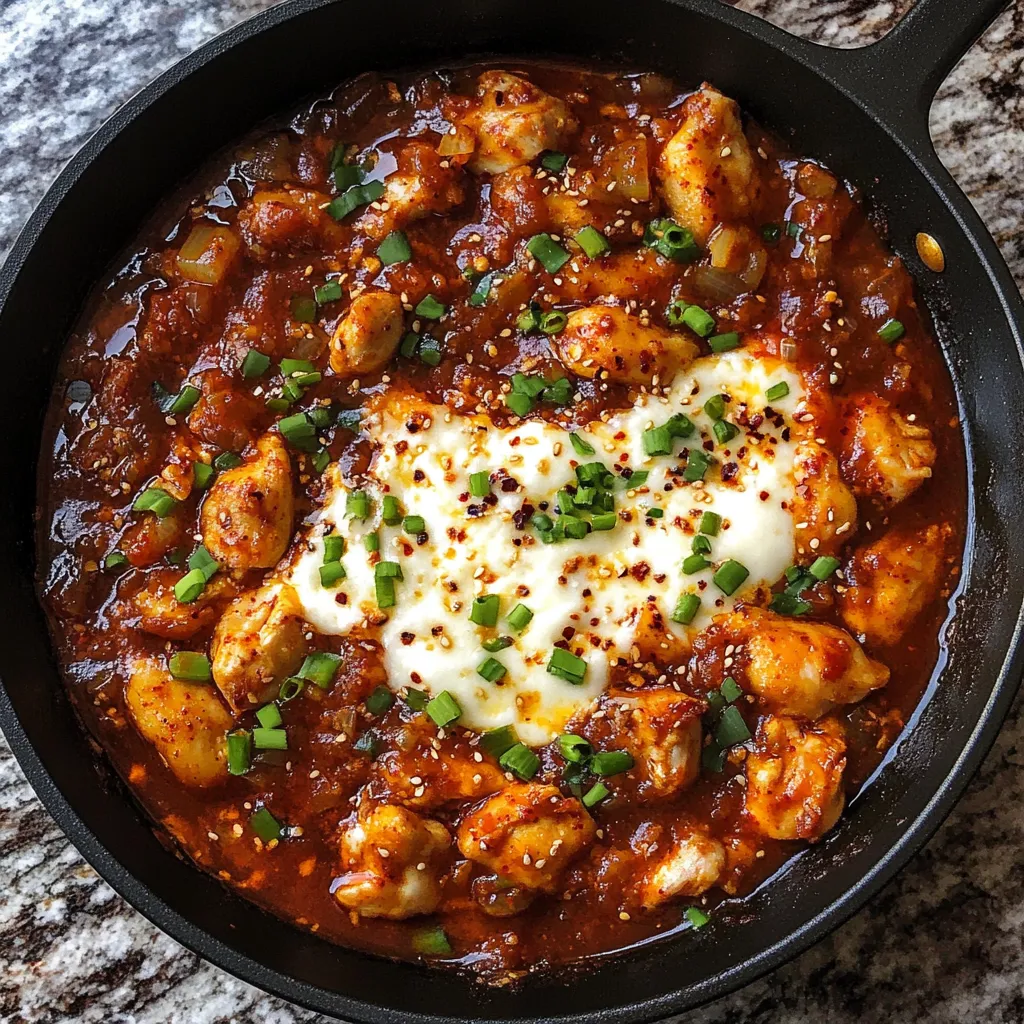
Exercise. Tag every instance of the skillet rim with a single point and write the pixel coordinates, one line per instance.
(855, 896)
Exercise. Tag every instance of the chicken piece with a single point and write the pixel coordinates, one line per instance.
(660, 727)
(706, 169)
(892, 580)
(420, 186)
(600, 338)
(281, 219)
(162, 614)
(795, 778)
(803, 668)
(148, 539)
(693, 863)
(246, 518)
(390, 859)
(514, 122)
(824, 508)
(527, 834)
(368, 335)
(883, 454)
(258, 642)
(186, 722)
(618, 276)
(225, 416)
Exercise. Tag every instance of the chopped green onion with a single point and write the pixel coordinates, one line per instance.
(329, 291)
(303, 309)
(777, 391)
(657, 441)
(496, 741)
(593, 796)
(730, 689)
(694, 563)
(320, 668)
(519, 618)
(730, 575)
(394, 249)
(724, 431)
(480, 484)
(183, 402)
(409, 344)
(482, 290)
(358, 195)
(239, 745)
(580, 446)
(484, 610)
(334, 547)
(357, 505)
(444, 709)
(710, 523)
(390, 510)
(567, 666)
(698, 320)
(548, 252)
(573, 748)
(415, 699)
(384, 591)
(430, 308)
(793, 229)
(156, 500)
(724, 342)
(190, 586)
(891, 331)
(491, 669)
(269, 739)
(369, 743)
(695, 917)
(115, 560)
(521, 761)
(431, 942)
(552, 322)
(529, 319)
(680, 425)
(789, 604)
(552, 160)
(714, 407)
(296, 367)
(559, 392)
(686, 609)
(347, 175)
(655, 513)
(611, 762)
(414, 525)
(591, 241)
(518, 403)
(202, 474)
(636, 479)
(670, 240)
(497, 643)
(290, 689)
(300, 431)
(265, 825)
(697, 464)
(731, 728)
(202, 560)
(380, 699)
(712, 757)
(371, 543)
(700, 545)
(269, 716)
(190, 666)
(331, 574)
(226, 460)
(823, 567)
(255, 364)
(605, 521)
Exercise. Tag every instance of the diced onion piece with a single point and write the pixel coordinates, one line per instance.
(460, 142)
(717, 284)
(815, 182)
(625, 165)
(208, 253)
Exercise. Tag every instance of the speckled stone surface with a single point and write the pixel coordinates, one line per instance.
(943, 943)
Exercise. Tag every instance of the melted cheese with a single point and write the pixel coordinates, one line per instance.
(616, 589)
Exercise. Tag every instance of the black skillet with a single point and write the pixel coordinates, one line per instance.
(864, 112)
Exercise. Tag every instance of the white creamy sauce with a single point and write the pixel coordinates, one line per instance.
(601, 585)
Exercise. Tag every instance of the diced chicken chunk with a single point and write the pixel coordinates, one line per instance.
(661, 728)
(885, 455)
(258, 642)
(420, 186)
(706, 169)
(803, 668)
(795, 778)
(247, 516)
(162, 614)
(892, 580)
(824, 508)
(277, 219)
(514, 122)
(368, 335)
(186, 722)
(390, 859)
(600, 338)
(692, 864)
(528, 834)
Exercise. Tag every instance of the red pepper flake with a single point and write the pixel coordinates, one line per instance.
(407, 638)
(729, 471)
(640, 571)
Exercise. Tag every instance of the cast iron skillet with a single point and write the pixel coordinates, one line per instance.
(862, 111)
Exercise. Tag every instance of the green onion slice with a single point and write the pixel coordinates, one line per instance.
(190, 666)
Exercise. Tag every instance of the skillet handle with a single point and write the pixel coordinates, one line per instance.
(898, 76)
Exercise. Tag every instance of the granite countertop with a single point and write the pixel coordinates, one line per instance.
(944, 942)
